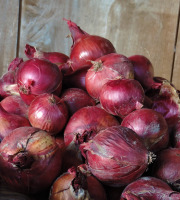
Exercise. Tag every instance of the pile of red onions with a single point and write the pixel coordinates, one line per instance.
(94, 124)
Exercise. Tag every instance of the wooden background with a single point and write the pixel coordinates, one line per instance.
(147, 27)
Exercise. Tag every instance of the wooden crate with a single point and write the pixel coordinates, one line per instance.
(147, 27)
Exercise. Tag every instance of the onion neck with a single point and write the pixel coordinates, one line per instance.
(97, 65)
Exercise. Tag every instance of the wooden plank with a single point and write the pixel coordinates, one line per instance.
(9, 11)
(133, 26)
(176, 68)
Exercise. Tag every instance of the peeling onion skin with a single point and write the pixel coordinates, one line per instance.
(150, 126)
(106, 68)
(37, 76)
(116, 156)
(75, 184)
(121, 96)
(149, 188)
(166, 167)
(86, 48)
(30, 160)
(85, 123)
(48, 112)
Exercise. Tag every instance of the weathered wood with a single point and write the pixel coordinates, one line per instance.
(9, 12)
(176, 68)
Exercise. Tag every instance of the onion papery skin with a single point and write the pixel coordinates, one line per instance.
(8, 81)
(48, 112)
(15, 105)
(86, 47)
(9, 122)
(57, 58)
(76, 79)
(106, 68)
(149, 188)
(85, 123)
(150, 126)
(166, 167)
(76, 184)
(76, 98)
(116, 156)
(121, 96)
(38, 76)
(143, 71)
(30, 160)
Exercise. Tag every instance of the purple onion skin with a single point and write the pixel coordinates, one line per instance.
(87, 122)
(116, 156)
(167, 166)
(150, 126)
(176, 135)
(121, 96)
(30, 160)
(149, 188)
(143, 70)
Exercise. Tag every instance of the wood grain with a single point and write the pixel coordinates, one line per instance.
(9, 11)
(176, 67)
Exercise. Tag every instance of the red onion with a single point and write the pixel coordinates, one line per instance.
(86, 47)
(8, 82)
(116, 156)
(9, 122)
(30, 160)
(166, 101)
(122, 96)
(85, 123)
(75, 185)
(149, 188)
(106, 68)
(48, 112)
(167, 166)
(57, 58)
(38, 76)
(76, 98)
(150, 126)
(143, 71)
(75, 80)
(15, 105)
(176, 135)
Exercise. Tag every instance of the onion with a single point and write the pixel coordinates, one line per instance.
(77, 184)
(9, 122)
(167, 165)
(38, 76)
(116, 156)
(149, 188)
(57, 58)
(30, 160)
(75, 80)
(176, 135)
(76, 98)
(85, 123)
(86, 47)
(48, 112)
(8, 82)
(143, 71)
(150, 126)
(15, 105)
(106, 68)
(166, 101)
(121, 96)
